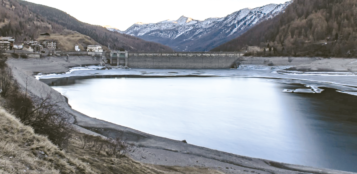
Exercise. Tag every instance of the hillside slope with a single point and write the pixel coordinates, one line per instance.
(98, 33)
(187, 34)
(22, 151)
(17, 21)
(307, 28)
(67, 39)
(22, 19)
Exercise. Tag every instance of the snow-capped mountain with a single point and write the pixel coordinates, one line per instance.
(187, 34)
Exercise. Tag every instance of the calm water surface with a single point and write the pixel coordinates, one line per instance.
(245, 116)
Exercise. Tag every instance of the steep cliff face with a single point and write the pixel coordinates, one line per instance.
(187, 34)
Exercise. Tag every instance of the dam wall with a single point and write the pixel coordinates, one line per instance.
(276, 61)
(183, 60)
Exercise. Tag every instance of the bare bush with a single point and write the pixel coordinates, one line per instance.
(42, 114)
(48, 119)
(24, 56)
(5, 81)
(14, 55)
(2, 60)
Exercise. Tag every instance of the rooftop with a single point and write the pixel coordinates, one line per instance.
(94, 46)
(7, 39)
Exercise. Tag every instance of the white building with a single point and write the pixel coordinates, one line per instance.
(76, 48)
(18, 46)
(28, 48)
(94, 48)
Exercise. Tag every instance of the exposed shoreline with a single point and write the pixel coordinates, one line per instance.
(153, 148)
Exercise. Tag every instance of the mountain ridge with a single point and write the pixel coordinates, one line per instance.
(187, 34)
(307, 28)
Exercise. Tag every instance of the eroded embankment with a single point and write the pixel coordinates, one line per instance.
(151, 149)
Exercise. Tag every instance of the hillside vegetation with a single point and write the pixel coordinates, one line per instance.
(22, 151)
(25, 20)
(98, 33)
(307, 28)
(22, 24)
(67, 39)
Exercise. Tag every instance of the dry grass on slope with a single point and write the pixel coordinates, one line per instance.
(67, 39)
(22, 151)
(105, 163)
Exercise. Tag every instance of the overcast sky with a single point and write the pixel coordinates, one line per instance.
(122, 14)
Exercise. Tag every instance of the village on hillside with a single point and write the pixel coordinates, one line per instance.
(45, 47)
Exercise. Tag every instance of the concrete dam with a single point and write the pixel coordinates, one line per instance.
(181, 60)
(189, 60)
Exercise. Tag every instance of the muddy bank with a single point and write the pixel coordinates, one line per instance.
(151, 149)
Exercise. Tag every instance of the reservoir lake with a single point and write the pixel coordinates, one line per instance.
(245, 116)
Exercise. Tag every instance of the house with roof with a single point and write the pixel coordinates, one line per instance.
(94, 48)
(6, 43)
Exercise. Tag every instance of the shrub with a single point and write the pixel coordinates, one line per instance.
(5, 81)
(42, 114)
(24, 56)
(2, 60)
(14, 55)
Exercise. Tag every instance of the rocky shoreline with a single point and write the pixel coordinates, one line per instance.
(162, 151)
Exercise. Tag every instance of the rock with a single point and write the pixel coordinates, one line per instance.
(184, 141)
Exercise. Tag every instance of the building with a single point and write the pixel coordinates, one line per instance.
(31, 42)
(31, 46)
(50, 44)
(254, 49)
(4, 45)
(95, 48)
(119, 58)
(28, 48)
(76, 48)
(18, 46)
(7, 43)
(37, 48)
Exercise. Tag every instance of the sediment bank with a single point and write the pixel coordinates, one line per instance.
(158, 150)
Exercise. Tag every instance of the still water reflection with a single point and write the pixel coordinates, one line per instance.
(245, 116)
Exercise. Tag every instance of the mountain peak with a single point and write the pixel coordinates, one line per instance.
(183, 20)
(187, 34)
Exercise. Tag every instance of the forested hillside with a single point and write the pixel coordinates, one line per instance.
(306, 28)
(22, 19)
(17, 21)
